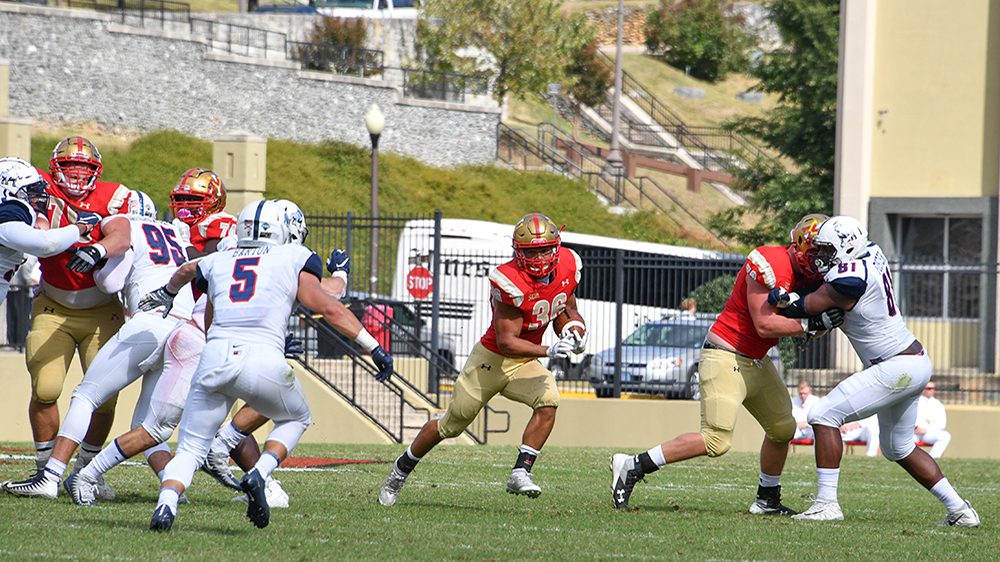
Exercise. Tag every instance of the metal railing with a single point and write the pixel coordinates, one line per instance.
(444, 86)
(139, 12)
(339, 59)
(239, 39)
(690, 138)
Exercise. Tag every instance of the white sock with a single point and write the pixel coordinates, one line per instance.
(230, 436)
(769, 481)
(54, 469)
(526, 449)
(948, 496)
(656, 453)
(828, 479)
(266, 464)
(43, 450)
(110, 457)
(169, 497)
(409, 453)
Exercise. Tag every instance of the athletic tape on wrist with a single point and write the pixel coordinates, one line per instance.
(366, 340)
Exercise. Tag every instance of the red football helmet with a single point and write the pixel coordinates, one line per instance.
(198, 193)
(75, 166)
(536, 244)
(801, 247)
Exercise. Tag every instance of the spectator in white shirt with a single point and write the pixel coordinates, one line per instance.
(931, 419)
(865, 430)
(800, 410)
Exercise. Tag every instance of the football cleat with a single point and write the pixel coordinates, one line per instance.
(163, 519)
(768, 502)
(256, 490)
(520, 483)
(42, 484)
(965, 517)
(217, 466)
(821, 510)
(625, 474)
(81, 490)
(392, 486)
(277, 497)
(103, 490)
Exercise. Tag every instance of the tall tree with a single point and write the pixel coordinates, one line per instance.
(802, 127)
(525, 45)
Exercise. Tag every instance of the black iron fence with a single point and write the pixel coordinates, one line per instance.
(444, 86)
(432, 278)
(340, 59)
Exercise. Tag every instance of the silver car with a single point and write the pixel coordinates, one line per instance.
(660, 357)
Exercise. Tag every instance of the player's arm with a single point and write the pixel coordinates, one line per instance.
(576, 325)
(116, 235)
(766, 320)
(16, 233)
(111, 278)
(210, 247)
(507, 321)
(339, 266)
(829, 295)
(164, 296)
(312, 296)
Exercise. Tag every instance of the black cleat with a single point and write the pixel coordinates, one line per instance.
(768, 502)
(163, 519)
(257, 510)
(625, 474)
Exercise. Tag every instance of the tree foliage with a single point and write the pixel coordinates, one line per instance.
(590, 78)
(524, 45)
(802, 127)
(697, 36)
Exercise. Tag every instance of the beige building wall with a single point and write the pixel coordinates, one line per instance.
(935, 99)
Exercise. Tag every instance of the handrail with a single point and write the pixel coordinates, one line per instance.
(341, 59)
(673, 123)
(444, 86)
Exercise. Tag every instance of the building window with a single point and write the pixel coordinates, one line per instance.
(940, 265)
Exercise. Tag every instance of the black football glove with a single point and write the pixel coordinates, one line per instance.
(160, 297)
(383, 361)
(293, 347)
(339, 261)
(824, 321)
(85, 258)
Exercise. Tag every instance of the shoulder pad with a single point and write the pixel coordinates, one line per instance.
(15, 210)
(504, 289)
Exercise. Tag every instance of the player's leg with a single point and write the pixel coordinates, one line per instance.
(768, 402)
(722, 392)
(266, 384)
(49, 349)
(533, 385)
(94, 328)
(235, 440)
(83, 485)
(204, 411)
(477, 383)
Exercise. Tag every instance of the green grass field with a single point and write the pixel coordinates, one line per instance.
(454, 507)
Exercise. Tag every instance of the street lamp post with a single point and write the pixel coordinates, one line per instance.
(374, 122)
(615, 165)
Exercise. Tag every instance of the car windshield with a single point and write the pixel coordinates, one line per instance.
(668, 335)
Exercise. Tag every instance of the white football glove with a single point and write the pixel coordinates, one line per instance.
(183, 232)
(580, 341)
(562, 348)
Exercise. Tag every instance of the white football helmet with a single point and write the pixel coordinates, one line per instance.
(21, 180)
(140, 205)
(840, 239)
(297, 229)
(261, 223)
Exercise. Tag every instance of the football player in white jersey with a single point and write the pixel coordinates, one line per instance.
(244, 354)
(857, 279)
(24, 197)
(133, 352)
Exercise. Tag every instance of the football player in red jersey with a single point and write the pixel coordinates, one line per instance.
(735, 369)
(528, 292)
(71, 315)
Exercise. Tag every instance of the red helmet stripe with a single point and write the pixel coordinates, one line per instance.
(538, 224)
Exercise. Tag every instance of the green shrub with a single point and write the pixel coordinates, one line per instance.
(334, 44)
(698, 37)
(591, 78)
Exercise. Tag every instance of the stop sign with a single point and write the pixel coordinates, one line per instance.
(419, 282)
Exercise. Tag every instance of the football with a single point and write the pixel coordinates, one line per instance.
(565, 318)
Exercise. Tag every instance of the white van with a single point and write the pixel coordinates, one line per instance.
(470, 249)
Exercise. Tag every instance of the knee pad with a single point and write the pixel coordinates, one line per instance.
(782, 430)
(821, 416)
(717, 441)
(894, 452)
(160, 431)
(108, 407)
(155, 448)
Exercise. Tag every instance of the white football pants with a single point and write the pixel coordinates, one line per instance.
(132, 352)
(889, 389)
(228, 370)
(181, 354)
